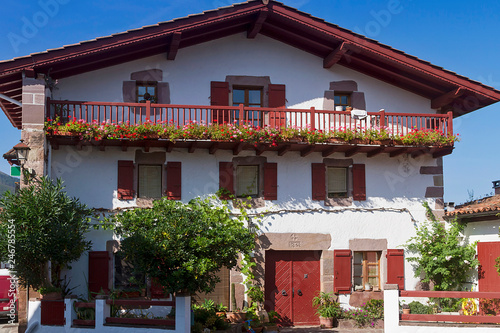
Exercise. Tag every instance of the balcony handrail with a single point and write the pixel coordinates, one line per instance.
(179, 114)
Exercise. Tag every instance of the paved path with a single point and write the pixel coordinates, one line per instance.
(5, 327)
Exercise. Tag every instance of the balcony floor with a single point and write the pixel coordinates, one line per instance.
(281, 148)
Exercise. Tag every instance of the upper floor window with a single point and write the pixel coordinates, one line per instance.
(251, 97)
(337, 182)
(342, 99)
(247, 180)
(147, 91)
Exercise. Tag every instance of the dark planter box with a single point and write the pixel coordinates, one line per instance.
(52, 313)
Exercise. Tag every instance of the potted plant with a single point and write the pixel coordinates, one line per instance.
(272, 325)
(327, 308)
(406, 308)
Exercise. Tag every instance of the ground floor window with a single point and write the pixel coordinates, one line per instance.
(366, 269)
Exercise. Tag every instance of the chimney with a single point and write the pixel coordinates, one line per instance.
(449, 206)
(496, 186)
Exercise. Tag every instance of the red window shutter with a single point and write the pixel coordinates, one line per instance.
(271, 181)
(277, 99)
(342, 271)
(318, 181)
(226, 177)
(358, 182)
(219, 95)
(396, 268)
(126, 180)
(98, 271)
(174, 180)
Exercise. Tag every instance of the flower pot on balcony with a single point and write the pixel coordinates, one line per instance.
(358, 141)
(381, 142)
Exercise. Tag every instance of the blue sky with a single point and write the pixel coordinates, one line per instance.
(458, 35)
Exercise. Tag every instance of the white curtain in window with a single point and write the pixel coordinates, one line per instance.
(247, 180)
(149, 181)
(337, 180)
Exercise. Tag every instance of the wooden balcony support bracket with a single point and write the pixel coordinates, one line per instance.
(282, 151)
(79, 145)
(213, 148)
(238, 148)
(329, 151)
(447, 98)
(442, 152)
(398, 152)
(260, 149)
(170, 146)
(173, 45)
(146, 147)
(54, 144)
(257, 25)
(124, 145)
(102, 146)
(375, 152)
(353, 151)
(306, 151)
(192, 147)
(419, 152)
(335, 55)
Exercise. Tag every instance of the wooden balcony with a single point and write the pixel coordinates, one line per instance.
(328, 123)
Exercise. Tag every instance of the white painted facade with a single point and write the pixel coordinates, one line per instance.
(395, 189)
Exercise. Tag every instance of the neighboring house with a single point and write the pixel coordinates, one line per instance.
(335, 211)
(483, 226)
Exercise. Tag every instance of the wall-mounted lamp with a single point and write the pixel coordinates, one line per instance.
(22, 151)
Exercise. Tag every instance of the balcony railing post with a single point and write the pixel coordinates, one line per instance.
(382, 118)
(450, 123)
(242, 113)
(313, 117)
(148, 110)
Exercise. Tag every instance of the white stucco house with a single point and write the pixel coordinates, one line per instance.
(335, 209)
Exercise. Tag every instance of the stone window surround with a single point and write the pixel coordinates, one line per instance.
(257, 202)
(372, 245)
(250, 81)
(346, 86)
(340, 163)
(129, 88)
(153, 158)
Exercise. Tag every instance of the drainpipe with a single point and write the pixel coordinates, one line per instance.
(13, 101)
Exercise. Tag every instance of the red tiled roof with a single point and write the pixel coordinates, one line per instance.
(272, 19)
(484, 205)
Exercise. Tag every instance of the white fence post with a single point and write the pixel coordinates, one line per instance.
(183, 314)
(391, 308)
(69, 311)
(101, 312)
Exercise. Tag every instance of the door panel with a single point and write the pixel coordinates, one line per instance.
(487, 252)
(292, 280)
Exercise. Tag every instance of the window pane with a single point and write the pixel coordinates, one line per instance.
(372, 257)
(337, 182)
(358, 258)
(336, 100)
(372, 270)
(247, 179)
(343, 100)
(373, 281)
(141, 90)
(254, 96)
(149, 181)
(238, 96)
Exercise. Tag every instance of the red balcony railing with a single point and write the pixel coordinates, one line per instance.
(137, 113)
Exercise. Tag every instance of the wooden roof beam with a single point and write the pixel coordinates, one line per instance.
(335, 55)
(173, 45)
(375, 152)
(238, 148)
(447, 98)
(328, 151)
(213, 148)
(283, 150)
(419, 152)
(398, 152)
(353, 151)
(257, 25)
(306, 151)
(192, 147)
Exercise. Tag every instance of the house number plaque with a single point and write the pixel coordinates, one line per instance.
(294, 241)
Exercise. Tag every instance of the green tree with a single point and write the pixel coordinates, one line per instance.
(41, 224)
(440, 254)
(183, 245)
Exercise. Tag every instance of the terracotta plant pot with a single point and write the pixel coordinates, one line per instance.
(406, 311)
(236, 317)
(326, 322)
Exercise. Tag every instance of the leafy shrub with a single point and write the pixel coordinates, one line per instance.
(419, 308)
(368, 314)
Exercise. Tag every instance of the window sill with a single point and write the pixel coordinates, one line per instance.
(250, 202)
(338, 202)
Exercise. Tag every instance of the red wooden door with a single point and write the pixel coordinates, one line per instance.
(488, 277)
(292, 280)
